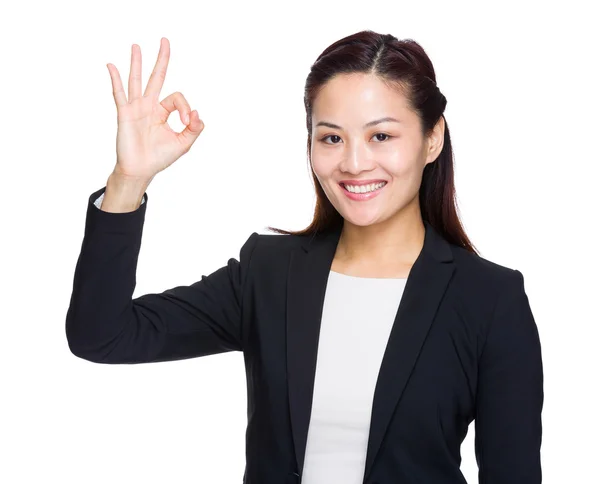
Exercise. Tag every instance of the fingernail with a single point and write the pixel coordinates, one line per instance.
(187, 119)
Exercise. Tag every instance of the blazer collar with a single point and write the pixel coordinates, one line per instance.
(434, 244)
(307, 280)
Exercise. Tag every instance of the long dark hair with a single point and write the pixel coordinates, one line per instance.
(402, 64)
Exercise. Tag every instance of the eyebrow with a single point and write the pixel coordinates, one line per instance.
(370, 123)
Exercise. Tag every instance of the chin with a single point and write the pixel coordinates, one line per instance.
(362, 221)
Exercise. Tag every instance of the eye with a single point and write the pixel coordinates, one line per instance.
(388, 136)
(336, 136)
(331, 135)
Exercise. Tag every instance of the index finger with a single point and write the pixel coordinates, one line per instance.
(157, 78)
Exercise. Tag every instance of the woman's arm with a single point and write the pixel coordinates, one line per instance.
(105, 325)
(508, 423)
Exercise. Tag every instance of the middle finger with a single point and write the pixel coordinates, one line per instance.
(135, 73)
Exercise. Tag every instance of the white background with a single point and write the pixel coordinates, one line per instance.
(522, 85)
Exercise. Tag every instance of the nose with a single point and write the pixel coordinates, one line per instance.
(357, 158)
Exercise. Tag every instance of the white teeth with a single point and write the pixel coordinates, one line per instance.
(364, 188)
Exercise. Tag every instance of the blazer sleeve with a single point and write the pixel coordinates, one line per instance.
(508, 420)
(105, 325)
(98, 201)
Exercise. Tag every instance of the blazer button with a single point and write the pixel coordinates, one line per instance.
(293, 478)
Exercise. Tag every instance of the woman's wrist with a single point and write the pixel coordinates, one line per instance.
(123, 194)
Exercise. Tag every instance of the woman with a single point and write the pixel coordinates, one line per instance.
(371, 339)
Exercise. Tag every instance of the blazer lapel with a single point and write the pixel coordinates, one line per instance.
(307, 280)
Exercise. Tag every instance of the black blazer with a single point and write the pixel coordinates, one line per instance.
(464, 347)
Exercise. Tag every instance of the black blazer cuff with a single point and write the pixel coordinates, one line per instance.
(123, 222)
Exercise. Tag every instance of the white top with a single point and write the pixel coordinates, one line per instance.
(358, 315)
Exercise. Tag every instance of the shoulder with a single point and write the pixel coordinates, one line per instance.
(474, 273)
(278, 244)
(481, 288)
(268, 250)
(478, 274)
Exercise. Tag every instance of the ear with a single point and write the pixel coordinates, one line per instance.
(436, 141)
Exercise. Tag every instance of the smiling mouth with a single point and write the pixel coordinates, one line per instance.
(358, 192)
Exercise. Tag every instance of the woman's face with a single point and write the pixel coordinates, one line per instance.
(345, 147)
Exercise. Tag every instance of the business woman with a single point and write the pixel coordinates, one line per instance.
(372, 338)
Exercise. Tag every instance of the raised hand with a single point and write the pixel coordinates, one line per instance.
(146, 144)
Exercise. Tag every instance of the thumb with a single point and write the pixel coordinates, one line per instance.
(192, 130)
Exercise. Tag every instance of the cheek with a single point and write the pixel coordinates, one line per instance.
(399, 160)
(321, 168)
(398, 167)
(410, 176)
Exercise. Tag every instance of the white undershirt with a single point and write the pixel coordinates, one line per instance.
(358, 315)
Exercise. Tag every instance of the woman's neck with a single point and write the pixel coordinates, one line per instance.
(380, 246)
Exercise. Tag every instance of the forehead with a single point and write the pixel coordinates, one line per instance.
(356, 93)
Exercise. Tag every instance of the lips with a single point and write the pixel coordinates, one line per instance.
(359, 196)
(342, 184)
(361, 182)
